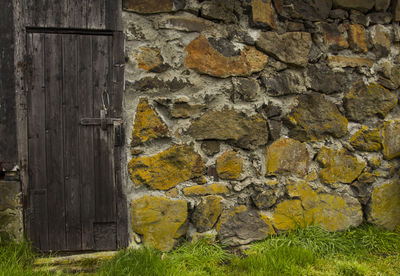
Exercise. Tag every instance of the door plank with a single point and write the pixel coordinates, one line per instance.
(96, 10)
(54, 141)
(71, 143)
(36, 139)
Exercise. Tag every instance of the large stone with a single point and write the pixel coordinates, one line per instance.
(330, 211)
(10, 192)
(346, 61)
(292, 48)
(150, 59)
(391, 139)
(339, 167)
(381, 40)
(284, 83)
(361, 5)
(148, 6)
(364, 101)
(287, 156)
(358, 38)
(315, 118)
(229, 165)
(202, 190)
(207, 213)
(159, 220)
(382, 5)
(383, 208)
(232, 126)
(366, 139)
(158, 85)
(306, 10)
(222, 59)
(396, 10)
(241, 225)
(148, 125)
(263, 14)
(219, 10)
(167, 169)
(323, 79)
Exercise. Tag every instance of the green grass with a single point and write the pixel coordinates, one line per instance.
(366, 250)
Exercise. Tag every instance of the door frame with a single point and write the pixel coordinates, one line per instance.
(21, 74)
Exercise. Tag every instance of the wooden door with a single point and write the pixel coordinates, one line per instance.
(74, 139)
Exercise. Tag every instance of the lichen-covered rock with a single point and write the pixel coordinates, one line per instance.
(263, 14)
(391, 139)
(338, 166)
(231, 126)
(358, 38)
(148, 6)
(150, 59)
(287, 156)
(246, 88)
(156, 84)
(330, 211)
(167, 169)
(305, 10)
(315, 118)
(201, 190)
(291, 48)
(223, 61)
(148, 124)
(366, 139)
(219, 10)
(229, 165)
(363, 101)
(361, 5)
(264, 198)
(10, 195)
(241, 225)
(284, 83)
(346, 61)
(384, 206)
(159, 220)
(323, 79)
(207, 213)
(381, 40)
(333, 36)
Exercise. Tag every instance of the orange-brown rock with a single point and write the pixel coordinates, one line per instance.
(205, 59)
(263, 13)
(150, 59)
(345, 61)
(334, 36)
(229, 165)
(358, 38)
(148, 6)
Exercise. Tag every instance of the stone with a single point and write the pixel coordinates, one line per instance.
(159, 220)
(396, 11)
(330, 211)
(382, 5)
(241, 225)
(229, 165)
(174, 192)
(264, 198)
(364, 101)
(339, 167)
(381, 40)
(207, 213)
(284, 83)
(357, 17)
(358, 38)
(210, 147)
(366, 139)
(306, 10)
(219, 10)
(148, 125)
(206, 59)
(347, 61)
(315, 118)
(150, 59)
(383, 208)
(247, 88)
(232, 126)
(323, 79)
(391, 78)
(263, 14)
(295, 27)
(380, 17)
(275, 128)
(10, 192)
(287, 156)
(271, 110)
(183, 110)
(148, 6)
(202, 190)
(167, 169)
(334, 38)
(391, 139)
(338, 14)
(154, 83)
(362, 191)
(292, 48)
(361, 5)
(187, 24)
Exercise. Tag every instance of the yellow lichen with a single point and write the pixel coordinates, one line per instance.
(366, 139)
(229, 165)
(212, 189)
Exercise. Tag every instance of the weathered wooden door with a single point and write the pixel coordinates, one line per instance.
(74, 139)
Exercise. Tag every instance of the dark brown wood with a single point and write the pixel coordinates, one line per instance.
(96, 14)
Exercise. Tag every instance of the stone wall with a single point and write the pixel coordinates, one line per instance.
(252, 117)
(11, 227)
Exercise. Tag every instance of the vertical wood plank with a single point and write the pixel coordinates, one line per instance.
(113, 15)
(87, 171)
(53, 14)
(36, 138)
(79, 13)
(96, 10)
(71, 143)
(54, 141)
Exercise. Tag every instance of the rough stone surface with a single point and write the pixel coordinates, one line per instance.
(333, 37)
(263, 14)
(287, 156)
(148, 124)
(358, 38)
(219, 10)
(307, 10)
(210, 147)
(229, 165)
(330, 211)
(397, 10)
(346, 61)
(229, 125)
(315, 118)
(384, 206)
(381, 40)
(264, 198)
(148, 6)
(247, 89)
(366, 139)
(380, 17)
(150, 59)
(364, 101)
(207, 213)
(391, 139)
(159, 220)
(284, 83)
(292, 48)
(338, 166)
(382, 5)
(154, 83)
(187, 24)
(11, 218)
(361, 5)
(241, 225)
(204, 58)
(201, 190)
(182, 109)
(167, 169)
(323, 79)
